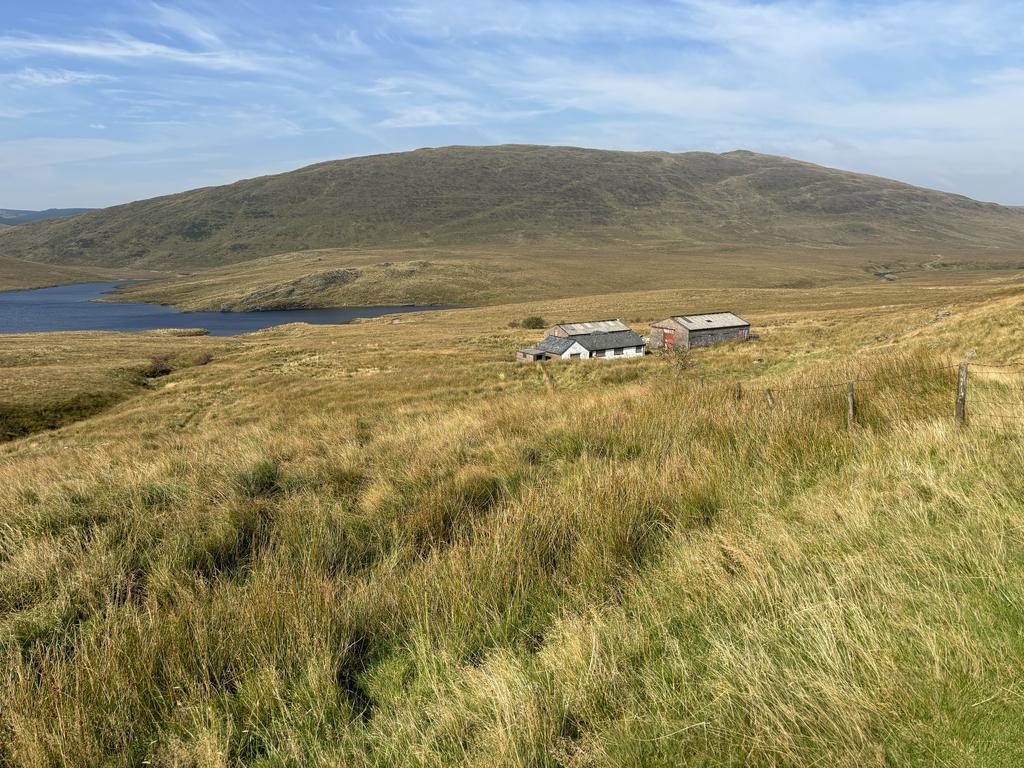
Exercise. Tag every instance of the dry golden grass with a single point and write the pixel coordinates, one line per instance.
(387, 544)
(18, 275)
(474, 276)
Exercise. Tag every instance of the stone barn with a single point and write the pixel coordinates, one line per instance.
(683, 332)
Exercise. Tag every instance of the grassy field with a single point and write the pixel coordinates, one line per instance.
(498, 275)
(18, 275)
(387, 544)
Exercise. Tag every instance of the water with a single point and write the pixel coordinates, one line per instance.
(73, 308)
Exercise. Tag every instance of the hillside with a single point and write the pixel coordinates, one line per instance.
(387, 544)
(10, 217)
(520, 196)
(16, 274)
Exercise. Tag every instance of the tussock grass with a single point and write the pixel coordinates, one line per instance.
(473, 569)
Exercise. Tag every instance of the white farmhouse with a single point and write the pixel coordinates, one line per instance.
(614, 344)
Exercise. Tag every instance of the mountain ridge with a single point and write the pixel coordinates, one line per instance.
(10, 217)
(514, 195)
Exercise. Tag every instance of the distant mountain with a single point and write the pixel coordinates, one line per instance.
(520, 195)
(9, 217)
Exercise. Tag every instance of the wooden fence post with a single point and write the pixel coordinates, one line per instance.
(739, 391)
(702, 382)
(851, 406)
(771, 398)
(961, 396)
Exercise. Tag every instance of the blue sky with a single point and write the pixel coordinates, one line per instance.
(105, 101)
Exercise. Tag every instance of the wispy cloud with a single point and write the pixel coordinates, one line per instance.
(927, 91)
(185, 24)
(30, 76)
(112, 46)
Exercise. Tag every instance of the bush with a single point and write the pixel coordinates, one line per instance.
(534, 323)
(159, 365)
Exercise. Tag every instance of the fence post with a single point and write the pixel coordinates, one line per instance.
(851, 406)
(739, 391)
(771, 398)
(961, 396)
(702, 382)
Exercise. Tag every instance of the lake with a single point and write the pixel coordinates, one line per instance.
(74, 308)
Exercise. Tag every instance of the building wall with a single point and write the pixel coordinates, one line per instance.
(658, 334)
(686, 339)
(577, 349)
(717, 336)
(609, 354)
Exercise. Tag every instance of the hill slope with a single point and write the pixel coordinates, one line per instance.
(389, 545)
(10, 217)
(511, 195)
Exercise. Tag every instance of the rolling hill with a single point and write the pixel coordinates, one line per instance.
(509, 196)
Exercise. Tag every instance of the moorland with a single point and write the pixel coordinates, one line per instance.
(386, 543)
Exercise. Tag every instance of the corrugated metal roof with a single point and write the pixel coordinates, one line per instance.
(581, 329)
(710, 321)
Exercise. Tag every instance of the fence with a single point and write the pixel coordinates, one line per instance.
(979, 394)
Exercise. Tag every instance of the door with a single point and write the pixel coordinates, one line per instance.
(670, 339)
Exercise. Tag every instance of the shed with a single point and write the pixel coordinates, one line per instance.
(531, 355)
(683, 332)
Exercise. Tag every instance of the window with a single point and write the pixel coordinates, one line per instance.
(639, 350)
(574, 356)
(599, 353)
(619, 351)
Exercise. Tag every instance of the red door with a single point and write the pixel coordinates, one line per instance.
(670, 339)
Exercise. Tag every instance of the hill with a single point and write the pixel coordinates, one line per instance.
(508, 196)
(10, 218)
(16, 274)
(387, 544)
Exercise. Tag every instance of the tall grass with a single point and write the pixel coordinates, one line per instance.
(637, 573)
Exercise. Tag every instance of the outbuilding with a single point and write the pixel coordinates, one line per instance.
(616, 344)
(684, 332)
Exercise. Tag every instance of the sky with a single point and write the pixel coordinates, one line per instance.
(108, 101)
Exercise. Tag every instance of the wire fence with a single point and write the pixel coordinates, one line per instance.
(981, 394)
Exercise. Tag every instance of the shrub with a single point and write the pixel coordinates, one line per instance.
(534, 322)
(159, 365)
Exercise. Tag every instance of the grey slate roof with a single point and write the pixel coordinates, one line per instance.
(593, 342)
(711, 321)
(582, 329)
(556, 345)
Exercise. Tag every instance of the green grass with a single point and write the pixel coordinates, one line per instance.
(388, 544)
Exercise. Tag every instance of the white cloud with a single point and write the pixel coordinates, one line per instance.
(429, 116)
(46, 77)
(116, 47)
(185, 24)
